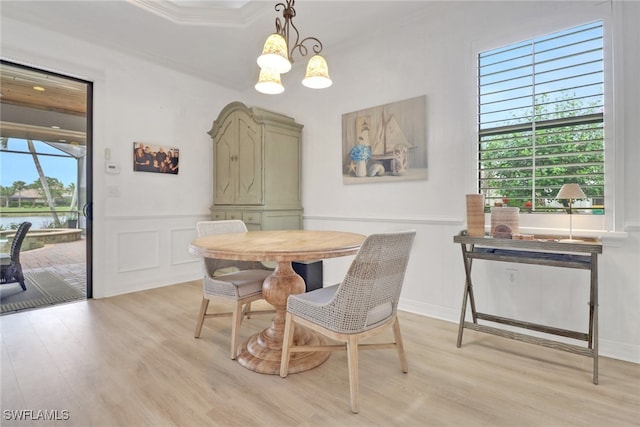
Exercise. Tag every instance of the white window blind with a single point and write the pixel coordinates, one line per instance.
(541, 120)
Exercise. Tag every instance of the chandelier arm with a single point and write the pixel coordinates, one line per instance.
(316, 47)
(283, 6)
(280, 29)
(289, 23)
(288, 13)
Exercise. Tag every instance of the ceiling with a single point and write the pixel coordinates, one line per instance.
(217, 41)
(42, 106)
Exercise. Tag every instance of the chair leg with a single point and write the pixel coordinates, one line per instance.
(352, 360)
(236, 320)
(247, 310)
(286, 345)
(203, 311)
(398, 336)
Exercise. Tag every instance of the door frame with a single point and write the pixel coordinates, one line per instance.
(87, 208)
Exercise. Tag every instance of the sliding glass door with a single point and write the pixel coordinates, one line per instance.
(46, 174)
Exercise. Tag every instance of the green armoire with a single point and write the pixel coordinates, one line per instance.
(257, 168)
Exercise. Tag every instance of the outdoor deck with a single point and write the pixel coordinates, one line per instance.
(67, 260)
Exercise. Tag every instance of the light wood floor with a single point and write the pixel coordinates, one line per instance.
(131, 360)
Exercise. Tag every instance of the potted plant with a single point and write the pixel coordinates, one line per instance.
(72, 220)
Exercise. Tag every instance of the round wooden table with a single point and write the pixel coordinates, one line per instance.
(262, 352)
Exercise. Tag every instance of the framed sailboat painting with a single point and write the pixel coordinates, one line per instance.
(387, 143)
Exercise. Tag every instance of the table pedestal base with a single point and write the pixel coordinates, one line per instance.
(263, 351)
(257, 355)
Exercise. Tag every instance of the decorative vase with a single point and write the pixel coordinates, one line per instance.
(475, 215)
(361, 168)
(505, 222)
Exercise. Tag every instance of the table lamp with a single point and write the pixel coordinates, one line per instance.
(570, 191)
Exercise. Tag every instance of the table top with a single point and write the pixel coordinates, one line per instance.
(278, 245)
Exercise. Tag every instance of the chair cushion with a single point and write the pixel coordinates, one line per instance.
(379, 313)
(318, 296)
(247, 282)
(322, 296)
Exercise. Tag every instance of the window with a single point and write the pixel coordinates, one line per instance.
(541, 121)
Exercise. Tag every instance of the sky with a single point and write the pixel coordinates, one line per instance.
(20, 167)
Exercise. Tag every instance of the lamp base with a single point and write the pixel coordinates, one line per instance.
(570, 241)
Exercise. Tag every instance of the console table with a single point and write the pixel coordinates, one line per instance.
(540, 251)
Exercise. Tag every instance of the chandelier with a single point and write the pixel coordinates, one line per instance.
(277, 55)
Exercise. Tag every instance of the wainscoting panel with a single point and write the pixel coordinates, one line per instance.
(138, 250)
(180, 240)
(144, 252)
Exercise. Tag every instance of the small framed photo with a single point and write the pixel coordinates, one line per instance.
(155, 158)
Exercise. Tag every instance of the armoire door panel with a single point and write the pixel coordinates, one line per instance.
(249, 162)
(225, 148)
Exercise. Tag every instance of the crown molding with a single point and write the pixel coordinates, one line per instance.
(232, 14)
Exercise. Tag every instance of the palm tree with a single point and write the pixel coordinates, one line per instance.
(74, 197)
(5, 194)
(18, 186)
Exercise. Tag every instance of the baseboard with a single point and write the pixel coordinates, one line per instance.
(606, 348)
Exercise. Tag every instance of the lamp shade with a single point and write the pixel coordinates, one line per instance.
(274, 54)
(571, 191)
(317, 76)
(269, 82)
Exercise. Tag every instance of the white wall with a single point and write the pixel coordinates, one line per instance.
(141, 235)
(434, 54)
(142, 221)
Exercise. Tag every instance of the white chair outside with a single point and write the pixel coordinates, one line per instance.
(362, 305)
(236, 281)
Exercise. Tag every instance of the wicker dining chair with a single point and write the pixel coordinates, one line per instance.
(362, 305)
(236, 281)
(10, 267)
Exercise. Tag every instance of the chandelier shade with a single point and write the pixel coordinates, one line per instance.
(269, 82)
(317, 76)
(274, 54)
(277, 54)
